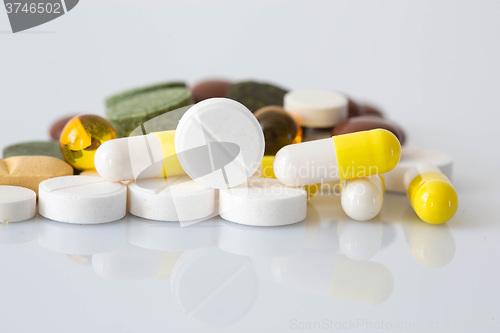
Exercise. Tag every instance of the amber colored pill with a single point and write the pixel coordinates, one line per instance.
(365, 123)
(279, 127)
(209, 89)
(57, 127)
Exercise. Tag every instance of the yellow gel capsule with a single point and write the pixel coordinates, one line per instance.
(433, 197)
(81, 137)
(347, 156)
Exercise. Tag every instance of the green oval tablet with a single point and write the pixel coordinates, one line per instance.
(131, 109)
(255, 95)
(34, 148)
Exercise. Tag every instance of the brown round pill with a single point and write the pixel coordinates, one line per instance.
(369, 110)
(365, 123)
(209, 89)
(353, 108)
(57, 127)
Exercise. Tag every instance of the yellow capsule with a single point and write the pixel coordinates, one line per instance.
(347, 156)
(81, 137)
(433, 197)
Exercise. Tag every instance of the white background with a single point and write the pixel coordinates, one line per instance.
(432, 66)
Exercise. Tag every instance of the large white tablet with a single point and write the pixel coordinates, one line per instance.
(82, 199)
(219, 143)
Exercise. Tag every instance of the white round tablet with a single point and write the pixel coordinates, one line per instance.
(411, 157)
(82, 199)
(316, 108)
(263, 202)
(219, 143)
(172, 199)
(16, 203)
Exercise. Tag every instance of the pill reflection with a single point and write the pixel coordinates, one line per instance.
(262, 241)
(17, 232)
(360, 240)
(76, 239)
(213, 286)
(432, 246)
(334, 276)
(172, 236)
(133, 263)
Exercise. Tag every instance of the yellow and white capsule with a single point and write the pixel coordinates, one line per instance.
(341, 157)
(145, 156)
(431, 193)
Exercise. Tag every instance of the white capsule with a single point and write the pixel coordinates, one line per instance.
(362, 198)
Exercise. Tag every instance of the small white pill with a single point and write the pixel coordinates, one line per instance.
(263, 202)
(362, 198)
(219, 143)
(82, 199)
(171, 199)
(16, 203)
(316, 108)
(411, 157)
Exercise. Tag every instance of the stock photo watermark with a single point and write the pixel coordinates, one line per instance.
(24, 15)
(364, 324)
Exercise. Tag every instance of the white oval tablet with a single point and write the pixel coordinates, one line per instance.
(316, 108)
(219, 143)
(411, 157)
(172, 199)
(16, 203)
(82, 199)
(263, 202)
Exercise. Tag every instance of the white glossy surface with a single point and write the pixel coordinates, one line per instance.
(431, 65)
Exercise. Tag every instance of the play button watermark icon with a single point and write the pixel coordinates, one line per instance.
(24, 14)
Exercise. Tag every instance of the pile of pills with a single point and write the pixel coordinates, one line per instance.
(251, 152)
